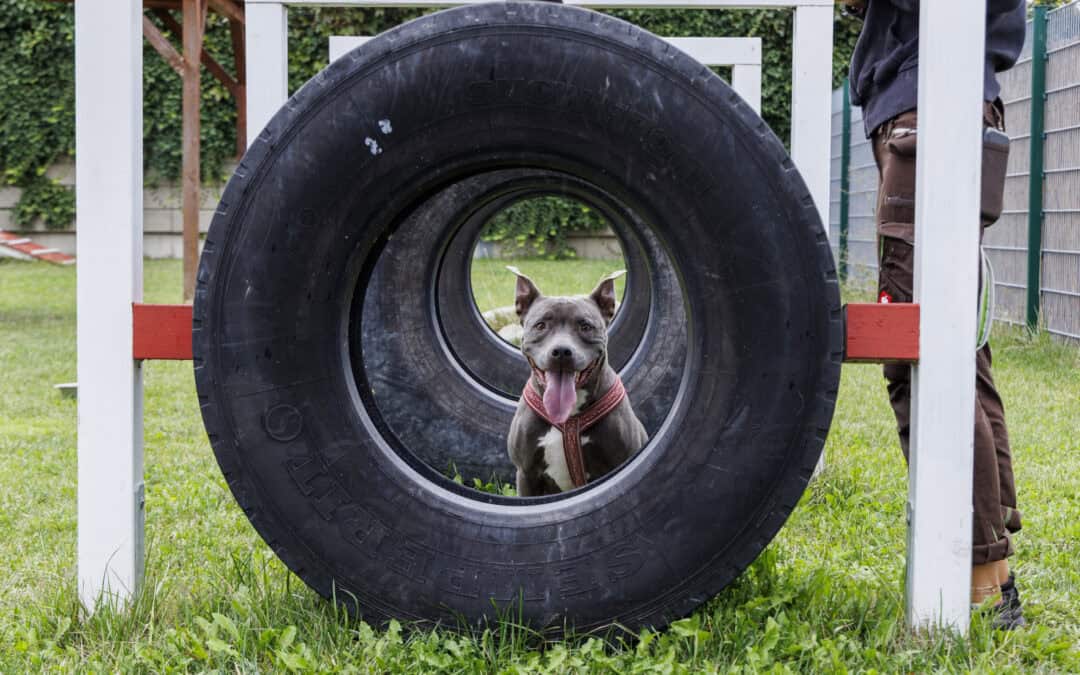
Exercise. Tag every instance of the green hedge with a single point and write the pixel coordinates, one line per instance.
(538, 227)
(37, 104)
(37, 95)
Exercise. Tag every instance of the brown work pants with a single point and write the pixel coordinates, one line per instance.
(994, 498)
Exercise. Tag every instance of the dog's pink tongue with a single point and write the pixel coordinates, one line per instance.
(560, 395)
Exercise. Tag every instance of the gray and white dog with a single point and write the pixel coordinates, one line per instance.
(572, 390)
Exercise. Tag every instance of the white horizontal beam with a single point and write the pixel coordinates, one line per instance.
(713, 51)
(340, 45)
(595, 4)
(743, 54)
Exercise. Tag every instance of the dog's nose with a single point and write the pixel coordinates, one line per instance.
(560, 353)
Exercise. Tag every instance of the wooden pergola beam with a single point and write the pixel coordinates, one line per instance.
(194, 22)
(237, 86)
(191, 33)
(211, 64)
(162, 45)
(228, 9)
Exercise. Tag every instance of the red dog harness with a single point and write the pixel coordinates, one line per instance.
(571, 429)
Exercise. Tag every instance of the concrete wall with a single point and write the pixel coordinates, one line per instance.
(595, 244)
(162, 219)
(589, 245)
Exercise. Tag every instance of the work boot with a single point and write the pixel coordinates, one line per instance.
(1008, 612)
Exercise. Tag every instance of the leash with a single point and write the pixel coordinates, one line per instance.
(571, 429)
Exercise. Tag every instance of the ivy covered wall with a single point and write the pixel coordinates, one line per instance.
(37, 95)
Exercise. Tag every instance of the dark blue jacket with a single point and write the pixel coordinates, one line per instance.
(884, 77)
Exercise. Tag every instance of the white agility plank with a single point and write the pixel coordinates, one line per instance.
(947, 201)
(108, 200)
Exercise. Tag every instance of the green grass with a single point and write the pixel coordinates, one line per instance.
(825, 597)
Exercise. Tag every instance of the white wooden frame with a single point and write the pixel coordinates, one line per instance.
(742, 54)
(108, 201)
(108, 54)
(947, 205)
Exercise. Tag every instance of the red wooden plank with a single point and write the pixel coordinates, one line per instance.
(162, 332)
(881, 333)
(875, 333)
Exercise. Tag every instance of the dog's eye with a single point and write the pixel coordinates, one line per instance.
(539, 325)
(585, 326)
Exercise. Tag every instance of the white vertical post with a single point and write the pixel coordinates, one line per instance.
(811, 98)
(947, 196)
(108, 201)
(266, 37)
(746, 79)
(811, 108)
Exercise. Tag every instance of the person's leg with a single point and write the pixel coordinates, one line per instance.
(995, 414)
(896, 259)
(990, 401)
(994, 410)
(894, 151)
(895, 266)
(990, 539)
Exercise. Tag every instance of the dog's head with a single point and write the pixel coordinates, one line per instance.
(565, 339)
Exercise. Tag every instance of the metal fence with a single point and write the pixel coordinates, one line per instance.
(1042, 190)
(1006, 242)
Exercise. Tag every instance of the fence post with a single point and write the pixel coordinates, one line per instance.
(1036, 176)
(845, 177)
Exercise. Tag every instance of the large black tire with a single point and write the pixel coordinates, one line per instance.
(287, 404)
(436, 411)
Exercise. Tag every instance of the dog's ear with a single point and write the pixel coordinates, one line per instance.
(604, 295)
(525, 293)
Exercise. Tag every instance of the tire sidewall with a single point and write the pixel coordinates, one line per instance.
(574, 91)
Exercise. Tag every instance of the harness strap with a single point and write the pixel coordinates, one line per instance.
(571, 429)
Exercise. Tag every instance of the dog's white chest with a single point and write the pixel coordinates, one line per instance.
(555, 459)
(555, 455)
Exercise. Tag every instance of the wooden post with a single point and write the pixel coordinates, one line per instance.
(235, 86)
(194, 21)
